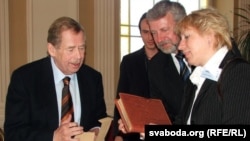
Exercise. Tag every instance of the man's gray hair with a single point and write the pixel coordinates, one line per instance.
(164, 7)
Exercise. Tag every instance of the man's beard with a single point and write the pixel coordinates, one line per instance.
(172, 48)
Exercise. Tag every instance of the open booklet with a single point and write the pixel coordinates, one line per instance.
(90, 136)
(138, 111)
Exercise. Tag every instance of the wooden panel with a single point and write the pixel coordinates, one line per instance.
(105, 47)
(4, 56)
(40, 15)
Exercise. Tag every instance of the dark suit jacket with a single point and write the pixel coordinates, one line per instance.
(230, 106)
(133, 74)
(31, 105)
(166, 84)
(157, 78)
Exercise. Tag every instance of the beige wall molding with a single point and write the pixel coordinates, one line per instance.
(4, 56)
(29, 30)
(40, 14)
(104, 23)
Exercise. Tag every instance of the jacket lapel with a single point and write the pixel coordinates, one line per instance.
(48, 93)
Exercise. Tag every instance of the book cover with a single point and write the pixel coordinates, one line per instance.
(138, 111)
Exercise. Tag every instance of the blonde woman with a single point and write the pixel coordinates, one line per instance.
(219, 91)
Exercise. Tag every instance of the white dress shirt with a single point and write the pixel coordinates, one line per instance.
(210, 70)
(74, 90)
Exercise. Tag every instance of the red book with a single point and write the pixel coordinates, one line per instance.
(138, 111)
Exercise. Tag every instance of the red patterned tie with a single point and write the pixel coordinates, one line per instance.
(67, 105)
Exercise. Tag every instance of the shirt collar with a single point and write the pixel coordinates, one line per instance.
(212, 65)
(216, 59)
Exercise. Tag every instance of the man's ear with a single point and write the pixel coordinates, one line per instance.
(51, 49)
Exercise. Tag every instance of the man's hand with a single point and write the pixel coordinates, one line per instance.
(121, 126)
(67, 130)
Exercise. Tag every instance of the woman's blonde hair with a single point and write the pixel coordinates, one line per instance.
(206, 20)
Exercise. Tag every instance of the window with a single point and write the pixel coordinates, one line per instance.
(131, 11)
